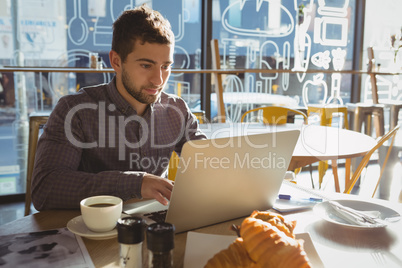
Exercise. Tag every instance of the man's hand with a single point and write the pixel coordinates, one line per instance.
(157, 188)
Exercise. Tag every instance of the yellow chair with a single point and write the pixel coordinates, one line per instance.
(274, 115)
(326, 113)
(174, 158)
(350, 184)
(172, 167)
(36, 121)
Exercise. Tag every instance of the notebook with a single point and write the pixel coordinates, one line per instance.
(224, 178)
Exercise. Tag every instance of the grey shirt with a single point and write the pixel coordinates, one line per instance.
(94, 143)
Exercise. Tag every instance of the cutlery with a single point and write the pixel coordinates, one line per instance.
(357, 217)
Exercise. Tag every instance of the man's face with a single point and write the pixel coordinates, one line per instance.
(146, 70)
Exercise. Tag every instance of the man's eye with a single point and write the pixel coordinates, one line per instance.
(166, 67)
(146, 66)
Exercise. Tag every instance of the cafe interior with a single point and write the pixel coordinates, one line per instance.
(330, 69)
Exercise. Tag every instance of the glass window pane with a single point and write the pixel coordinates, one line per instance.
(276, 34)
(382, 23)
(286, 35)
(61, 33)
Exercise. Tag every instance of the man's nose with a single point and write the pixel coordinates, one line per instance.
(157, 77)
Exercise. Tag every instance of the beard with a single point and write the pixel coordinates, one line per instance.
(137, 93)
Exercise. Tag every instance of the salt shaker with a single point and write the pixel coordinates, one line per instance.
(160, 244)
(130, 234)
(99, 65)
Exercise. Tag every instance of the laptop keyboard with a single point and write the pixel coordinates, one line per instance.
(157, 216)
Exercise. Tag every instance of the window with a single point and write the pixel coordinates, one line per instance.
(313, 35)
(381, 23)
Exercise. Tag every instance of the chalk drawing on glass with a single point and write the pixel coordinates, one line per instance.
(315, 91)
(273, 10)
(77, 26)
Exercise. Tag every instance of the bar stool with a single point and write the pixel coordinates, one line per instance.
(326, 113)
(363, 113)
(394, 109)
(36, 122)
(393, 105)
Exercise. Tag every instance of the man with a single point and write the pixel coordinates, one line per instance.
(117, 138)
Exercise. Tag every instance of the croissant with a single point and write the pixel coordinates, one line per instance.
(277, 220)
(270, 247)
(235, 256)
(267, 240)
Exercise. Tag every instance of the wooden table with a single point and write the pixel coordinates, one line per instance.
(316, 143)
(337, 246)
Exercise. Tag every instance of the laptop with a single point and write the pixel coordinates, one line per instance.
(223, 179)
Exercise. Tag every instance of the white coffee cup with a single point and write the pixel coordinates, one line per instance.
(100, 213)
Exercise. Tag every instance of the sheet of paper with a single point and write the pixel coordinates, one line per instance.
(201, 247)
(299, 198)
(291, 205)
(52, 248)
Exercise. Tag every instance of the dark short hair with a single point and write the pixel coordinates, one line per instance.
(141, 23)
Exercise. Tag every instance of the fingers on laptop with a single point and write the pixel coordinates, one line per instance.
(156, 187)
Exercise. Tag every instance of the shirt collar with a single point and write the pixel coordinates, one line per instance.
(121, 104)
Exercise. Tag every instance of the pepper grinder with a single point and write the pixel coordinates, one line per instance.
(160, 244)
(130, 234)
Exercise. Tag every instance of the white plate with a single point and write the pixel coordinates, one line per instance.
(325, 211)
(78, 227)
(201, 247)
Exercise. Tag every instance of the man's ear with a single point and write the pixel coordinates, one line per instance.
(115, 61)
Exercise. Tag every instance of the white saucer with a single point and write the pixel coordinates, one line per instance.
(78, 227)
(326, 212)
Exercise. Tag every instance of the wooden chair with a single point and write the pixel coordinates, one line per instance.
(350, 184)
(275, 115)
(216, 64)
(36, 122)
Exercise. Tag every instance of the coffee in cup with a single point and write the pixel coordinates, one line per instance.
(100, 213)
